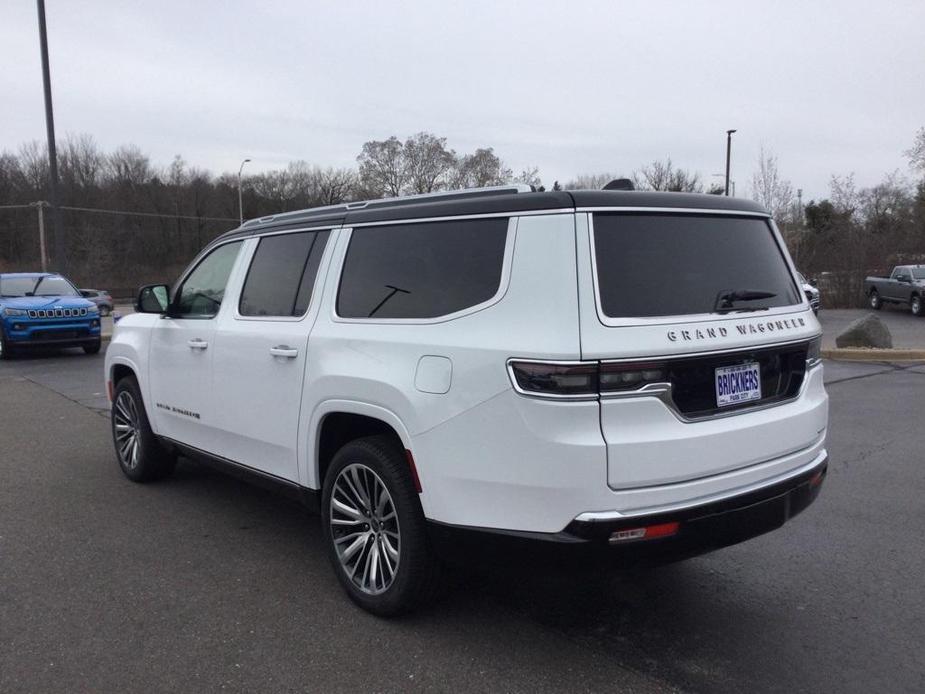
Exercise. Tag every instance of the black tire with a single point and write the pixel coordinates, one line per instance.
(915, 305)
(416, 578)
(876, 302)
(6, 352)
(142, 458)
(93, 348)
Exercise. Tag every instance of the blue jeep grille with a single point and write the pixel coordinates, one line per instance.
(58, 313)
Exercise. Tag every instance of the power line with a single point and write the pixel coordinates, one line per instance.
(147, 214)
(97, 210)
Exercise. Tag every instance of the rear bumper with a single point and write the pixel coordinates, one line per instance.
(701, 529)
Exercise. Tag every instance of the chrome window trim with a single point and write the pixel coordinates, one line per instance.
(503, 283)
(671, 210)
(601, 516)
(643, 321)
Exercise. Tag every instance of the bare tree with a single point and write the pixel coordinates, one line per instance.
(916, 153)
(772, 191)
(663, 176)
(81, 163)
(335, 185)
(382, 167)
(844, 195)
(479, 169)
(427, 162)
(531, 177)
(33, 161)
(128, 166)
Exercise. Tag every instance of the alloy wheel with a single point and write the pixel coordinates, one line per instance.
(125, 428)
(365, 529)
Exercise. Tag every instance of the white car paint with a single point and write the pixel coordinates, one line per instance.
(486, 455)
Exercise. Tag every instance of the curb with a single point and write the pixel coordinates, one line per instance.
(871, 354)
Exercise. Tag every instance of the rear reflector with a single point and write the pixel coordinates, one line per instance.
(649, 532)
(414, 471)
(816, 479)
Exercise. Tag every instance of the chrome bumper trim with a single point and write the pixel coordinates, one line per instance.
(599, 516)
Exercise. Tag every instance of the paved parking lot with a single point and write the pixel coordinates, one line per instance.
(204, 583)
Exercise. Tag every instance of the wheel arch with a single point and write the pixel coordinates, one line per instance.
(118, 367)
(335, 422)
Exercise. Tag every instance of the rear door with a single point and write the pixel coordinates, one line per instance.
(697, 319)
(261, 346)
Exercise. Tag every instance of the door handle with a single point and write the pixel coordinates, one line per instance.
(284, 351)
(197, 344)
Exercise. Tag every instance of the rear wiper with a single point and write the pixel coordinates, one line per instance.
(726, 298)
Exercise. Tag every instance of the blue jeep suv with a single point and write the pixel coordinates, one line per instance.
(42, 309)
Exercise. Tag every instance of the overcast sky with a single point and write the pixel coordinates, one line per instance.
(569, 86)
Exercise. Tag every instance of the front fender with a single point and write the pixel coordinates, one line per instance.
(129, 347)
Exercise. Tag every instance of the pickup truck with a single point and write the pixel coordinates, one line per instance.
(905, 285)
(41, 309)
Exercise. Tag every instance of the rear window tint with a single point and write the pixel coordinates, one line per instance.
(282, 274)
(421, 270)
(668, 265)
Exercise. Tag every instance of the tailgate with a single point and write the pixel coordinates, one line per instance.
(681, 432)
(716, 389)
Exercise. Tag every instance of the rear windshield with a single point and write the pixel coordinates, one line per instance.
(671, 264)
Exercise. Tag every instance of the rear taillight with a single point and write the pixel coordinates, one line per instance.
(814, 351)
(583, 380)
(631, 376)
(555, 379)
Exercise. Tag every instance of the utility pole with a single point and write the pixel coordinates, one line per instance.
(40, 206)
(60, 258)
(728, 153)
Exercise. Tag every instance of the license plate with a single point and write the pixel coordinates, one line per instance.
(738, 384)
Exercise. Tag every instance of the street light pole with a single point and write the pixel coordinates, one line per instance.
(52, 151)
(240, 195)
(728, 153)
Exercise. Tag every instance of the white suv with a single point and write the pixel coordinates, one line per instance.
(603, 374)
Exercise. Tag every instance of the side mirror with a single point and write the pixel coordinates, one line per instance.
(814, 282)
(153, 298)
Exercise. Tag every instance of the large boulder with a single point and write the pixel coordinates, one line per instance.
(868, 331)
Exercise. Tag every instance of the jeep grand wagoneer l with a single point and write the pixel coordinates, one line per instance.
(598, 373)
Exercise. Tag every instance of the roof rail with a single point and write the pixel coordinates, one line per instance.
(425, 197)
